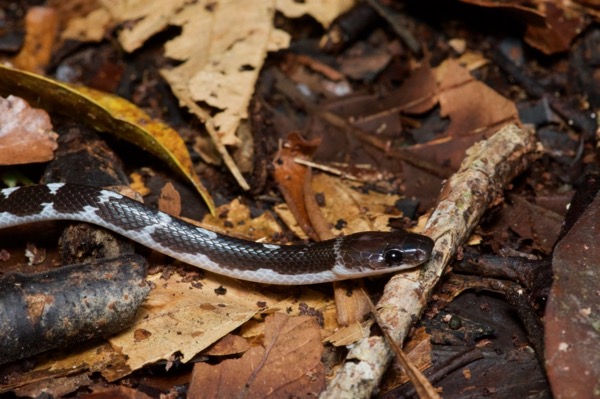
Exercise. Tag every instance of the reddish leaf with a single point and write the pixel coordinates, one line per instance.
(288, 364)
(26, 134)
(572, 333)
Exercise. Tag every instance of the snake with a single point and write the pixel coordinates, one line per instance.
(351, 256)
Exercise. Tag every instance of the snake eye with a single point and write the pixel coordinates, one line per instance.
(393, 257)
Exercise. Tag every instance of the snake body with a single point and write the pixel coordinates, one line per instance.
(353, 256)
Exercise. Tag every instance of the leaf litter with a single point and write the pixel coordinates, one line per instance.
(473, 109)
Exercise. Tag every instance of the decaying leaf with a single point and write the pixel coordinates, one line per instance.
(92, 27)
(169, 200)
(186, 317)
(228, 345)
(551, 26)
(472, 106)
(572, 329)
(292, 178)
(323, 11)
(219, 65)
(107, 113)
(288, 363)
(26, 134)
(418, 93)
(235, 219)
(150, 17)
(41, 23)
(475, 111)
(221, 70)
(348, 209)
(54, 368)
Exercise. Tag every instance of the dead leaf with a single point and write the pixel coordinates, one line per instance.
(350, 334)
(186, 317)
(572, 334)
(418, 348)
(89, 28)
(169, 200)
(347, 208)
(219, 65)
(234, 219)
(55, 387)
(529, 221)
(323, 11)
(117, 392)
(85, 361)
(41, 26)
(475, 112)
(418, 93)
(228, 345)
(288, 363)
(150, 17)
(221, 70)
(562, 25)
(26, 134)
(291, 178)
(551, 26)
(472, 106)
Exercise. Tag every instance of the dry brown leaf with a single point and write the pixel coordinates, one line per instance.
(288, 363)
(221, 69)
(475, 112)
(185, 317)
(418, 348)
(90, 28)
(417, 94)
(56, 387)
(323, 11)
(350, 334)
(219, 65)
(472, 60)
(228, 345)
(235, 219)
(551, 25)
(471, 106)
(344, 202)
(291, 178)
(150, 18)
(298, 302)
(26, 134)
(571, 319)
(41, 26)
(99, 358)
(116, 392)
(169, 200)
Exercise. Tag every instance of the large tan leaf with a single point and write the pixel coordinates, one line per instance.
(181, 316)
(222, 49)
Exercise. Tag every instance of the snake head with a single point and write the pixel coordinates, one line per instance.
(373, 253)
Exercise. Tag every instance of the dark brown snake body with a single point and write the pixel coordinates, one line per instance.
(353, 256)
